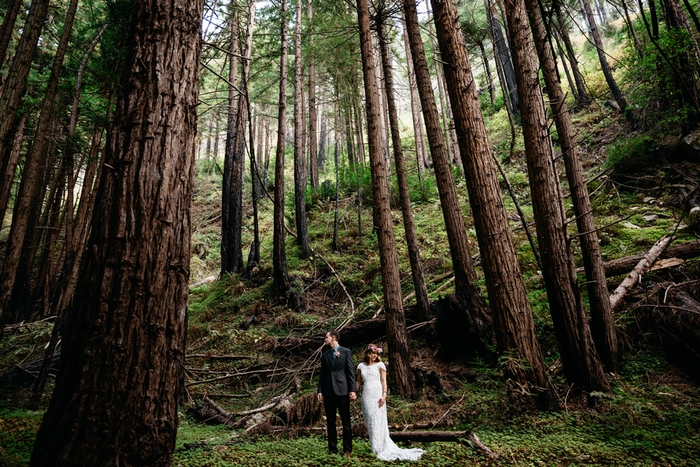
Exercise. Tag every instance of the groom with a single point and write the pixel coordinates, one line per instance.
(336, 388)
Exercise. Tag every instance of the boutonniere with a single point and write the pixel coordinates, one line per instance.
(337, 353)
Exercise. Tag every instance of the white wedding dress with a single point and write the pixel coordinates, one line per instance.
(375, 417)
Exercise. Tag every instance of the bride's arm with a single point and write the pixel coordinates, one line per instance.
(382, 374)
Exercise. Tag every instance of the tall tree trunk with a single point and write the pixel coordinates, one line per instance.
(513, 323)
(299, 165)
(503, 57)
(400, 368)
(422, 158)
(228, 254)
(115, 401)
(602, 324)
(454, 222)
(16, 84)
(607, 72)
(409, 228)
(313, 117)
(446, 122)
(583, 100)
(254, 255)
(26, 209)
(582, 365)
(8, 26)
(279, 255)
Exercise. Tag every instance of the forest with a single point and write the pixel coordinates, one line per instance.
(504, 195)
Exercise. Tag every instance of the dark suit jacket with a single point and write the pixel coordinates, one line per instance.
(337, 373)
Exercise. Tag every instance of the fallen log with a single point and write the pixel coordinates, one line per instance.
(638, 271)
(29, 371)
(624, 265)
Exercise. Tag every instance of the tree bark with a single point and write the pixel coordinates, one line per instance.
(454, 222)
(16, 266)
(400, 368)
(582, 365)
(115, 401)
(228, 229)
(602, 323)
(513, 323)
(405, 199)
(16, 85)
(299, 159)
(8, 26)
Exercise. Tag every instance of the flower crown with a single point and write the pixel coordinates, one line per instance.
(374, 348)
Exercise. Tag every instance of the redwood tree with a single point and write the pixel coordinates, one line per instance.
(582, 365)
(513, 323)
(400, 368)
(419, 286)
(602, 324)
(115, 400)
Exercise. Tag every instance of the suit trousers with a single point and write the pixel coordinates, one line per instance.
(341, 404)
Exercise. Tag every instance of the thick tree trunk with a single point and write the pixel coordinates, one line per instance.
(400, 368)
(299, 163)
(115, 401)
(602, 324)
(513, 323)
(582, 365)
(15, 86)
(405, 199)
(26, 209)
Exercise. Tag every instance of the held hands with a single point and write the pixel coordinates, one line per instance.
(353, 396)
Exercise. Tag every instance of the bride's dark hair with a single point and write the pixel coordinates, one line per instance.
(369, 351)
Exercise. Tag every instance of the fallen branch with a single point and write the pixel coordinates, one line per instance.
(642, 267)
(206, 280)
(623, 265)
(220, 357)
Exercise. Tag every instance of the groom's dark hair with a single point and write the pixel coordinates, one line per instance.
(335, 334)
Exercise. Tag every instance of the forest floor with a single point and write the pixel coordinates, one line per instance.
(650, 418)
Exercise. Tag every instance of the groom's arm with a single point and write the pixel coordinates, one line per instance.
(350, 371)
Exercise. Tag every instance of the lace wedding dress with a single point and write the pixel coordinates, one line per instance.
(375, 417)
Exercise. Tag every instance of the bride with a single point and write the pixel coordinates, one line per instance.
(371, 380)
